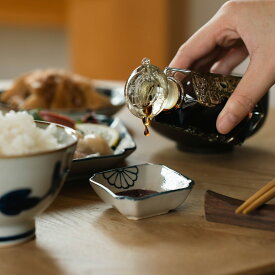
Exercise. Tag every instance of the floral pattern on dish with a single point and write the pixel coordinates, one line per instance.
(122, 177)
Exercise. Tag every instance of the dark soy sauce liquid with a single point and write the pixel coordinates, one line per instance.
(146, 120)
(136, 193)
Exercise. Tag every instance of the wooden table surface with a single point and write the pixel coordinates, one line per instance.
(79, 234)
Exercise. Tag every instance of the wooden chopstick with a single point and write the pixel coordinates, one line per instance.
(261, 200)
(260, 197)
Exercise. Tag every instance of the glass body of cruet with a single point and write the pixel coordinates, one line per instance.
(184, 105)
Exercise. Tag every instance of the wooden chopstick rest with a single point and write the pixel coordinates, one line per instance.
(263, 195)
(221, 209)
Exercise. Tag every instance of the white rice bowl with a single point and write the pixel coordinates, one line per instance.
(19, 135)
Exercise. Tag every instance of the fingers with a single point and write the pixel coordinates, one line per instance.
(200, 44)
(205, 63)
(233, 58)
(250, 90)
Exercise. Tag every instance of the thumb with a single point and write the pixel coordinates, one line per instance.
(254, 84)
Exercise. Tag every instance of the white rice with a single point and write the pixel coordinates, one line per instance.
(19, 135)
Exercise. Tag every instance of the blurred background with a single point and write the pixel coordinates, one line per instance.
(101, 39)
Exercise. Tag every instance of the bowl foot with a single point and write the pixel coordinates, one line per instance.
(190, 143)
(16, 234)
(205, 149)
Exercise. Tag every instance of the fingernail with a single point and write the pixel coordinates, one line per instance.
(226, 122)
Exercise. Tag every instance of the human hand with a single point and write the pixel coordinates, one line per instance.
(239, 29)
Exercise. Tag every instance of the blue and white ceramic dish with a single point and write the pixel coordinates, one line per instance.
(171, 189)
(85, 167)
(29, 183)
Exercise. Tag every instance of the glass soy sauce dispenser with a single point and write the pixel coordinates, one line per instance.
(184, 105)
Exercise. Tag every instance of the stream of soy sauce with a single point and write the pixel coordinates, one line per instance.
(146, 120)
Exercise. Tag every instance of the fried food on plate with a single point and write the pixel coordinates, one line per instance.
(54, 89)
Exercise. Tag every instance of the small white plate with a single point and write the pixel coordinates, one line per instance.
(171, 189)
(85, 167)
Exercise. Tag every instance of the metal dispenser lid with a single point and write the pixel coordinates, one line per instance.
(146, 90)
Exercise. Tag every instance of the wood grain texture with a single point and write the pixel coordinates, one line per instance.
(108, 39)
(42, 13)
(221, 209)
(79, 234)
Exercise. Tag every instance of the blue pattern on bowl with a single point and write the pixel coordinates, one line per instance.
(14, 202)
(25, 235)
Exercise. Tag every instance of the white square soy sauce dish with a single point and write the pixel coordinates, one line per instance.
(142, 191)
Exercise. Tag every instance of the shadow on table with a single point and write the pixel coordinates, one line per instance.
(77, 193)
(149, 231)
(27, 258)
(177, 226)
(74, 195)
(247, 157)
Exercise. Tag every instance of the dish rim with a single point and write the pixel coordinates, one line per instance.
(121, 197)
(123, 151)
